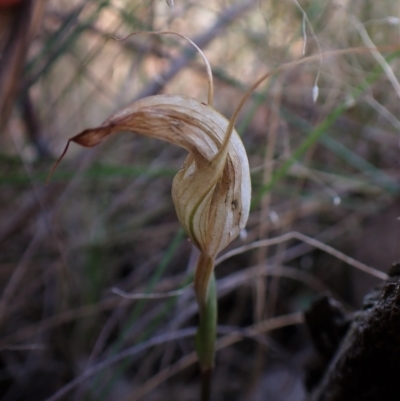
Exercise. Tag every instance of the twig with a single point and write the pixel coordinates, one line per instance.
(311, 241)
(226, 341)
(162, 338)
(156, 295)
(378, 56)
(383, 111)
(25, 23)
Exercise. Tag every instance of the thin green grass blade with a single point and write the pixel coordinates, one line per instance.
(377, 176)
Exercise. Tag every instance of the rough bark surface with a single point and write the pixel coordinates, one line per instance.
(366, 365)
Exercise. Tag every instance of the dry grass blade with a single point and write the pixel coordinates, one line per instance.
(311, 241)
(378, 56)
(160, 295)
(22, 23)
(223, 342)
(161, 339)
(210, 95)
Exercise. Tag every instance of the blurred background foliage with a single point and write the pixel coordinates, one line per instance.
(329, 169)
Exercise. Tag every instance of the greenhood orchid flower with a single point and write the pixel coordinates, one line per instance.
(211, 192)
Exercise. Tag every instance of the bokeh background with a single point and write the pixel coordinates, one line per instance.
(323, 140)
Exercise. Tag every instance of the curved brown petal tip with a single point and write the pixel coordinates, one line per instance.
(58, 162)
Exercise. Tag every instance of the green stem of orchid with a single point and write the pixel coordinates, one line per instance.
(206, 332)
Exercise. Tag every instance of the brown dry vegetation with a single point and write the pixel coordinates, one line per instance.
(329, 170)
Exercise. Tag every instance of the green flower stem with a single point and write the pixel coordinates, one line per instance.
(207, 330)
